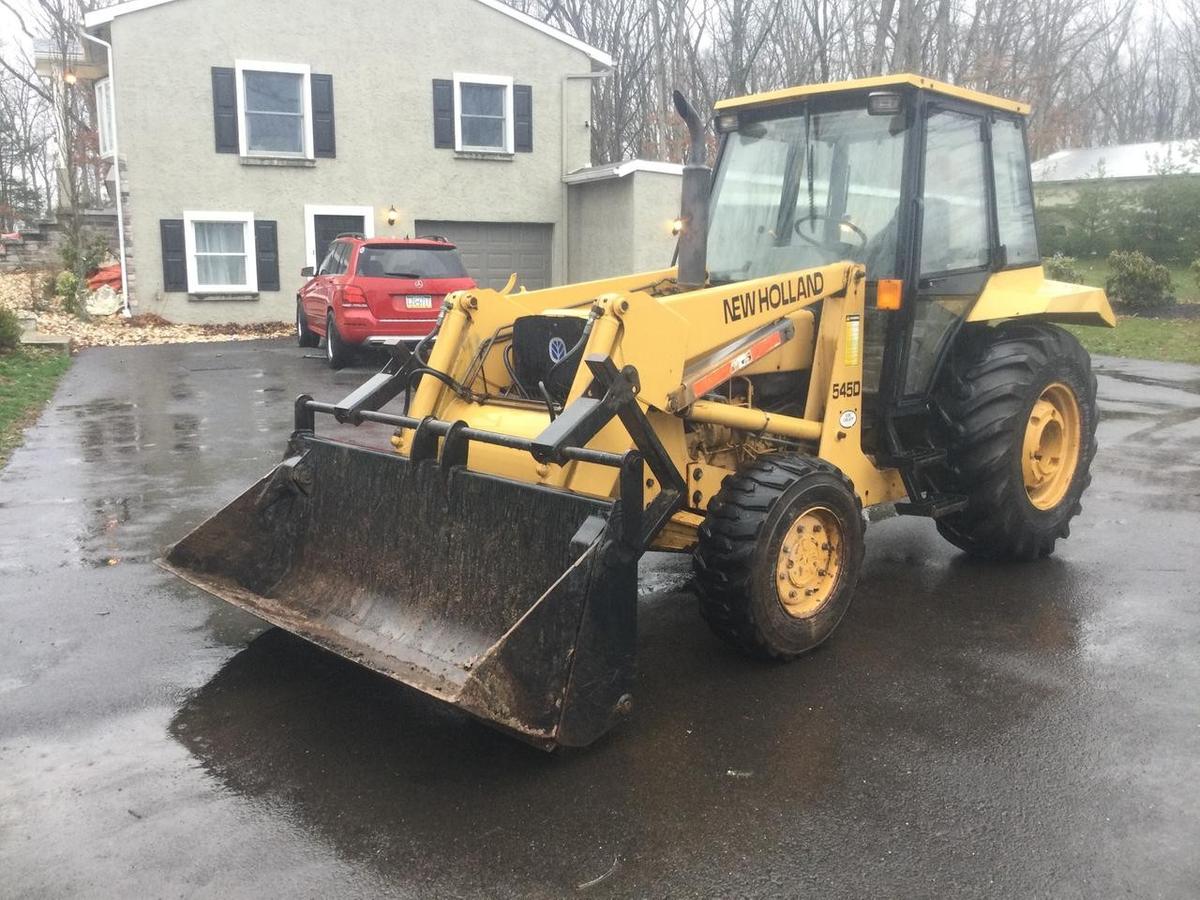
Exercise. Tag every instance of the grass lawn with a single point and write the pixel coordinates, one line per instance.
(1095, 272)
(27, 381)
(1166, 340)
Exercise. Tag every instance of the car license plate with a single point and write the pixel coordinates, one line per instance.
(418, 301)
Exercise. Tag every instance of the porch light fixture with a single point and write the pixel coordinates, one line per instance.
(70, 77)
(392, 215)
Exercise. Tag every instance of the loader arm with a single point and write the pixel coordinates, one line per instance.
(671, 340)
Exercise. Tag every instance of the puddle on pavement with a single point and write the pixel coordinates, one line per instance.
(1191, 386)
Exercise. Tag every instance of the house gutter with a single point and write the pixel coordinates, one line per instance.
(565, 211)
(116, 147)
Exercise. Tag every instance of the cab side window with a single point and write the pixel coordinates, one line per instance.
(954, 229)
(1014, 193)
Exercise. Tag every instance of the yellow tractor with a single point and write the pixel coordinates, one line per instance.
(858, 318)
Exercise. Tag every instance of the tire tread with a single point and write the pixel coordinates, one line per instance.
(984, 397)
(724, 555)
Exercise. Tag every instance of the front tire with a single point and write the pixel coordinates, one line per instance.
(779, 554)
(1020, 400)
(336, 351)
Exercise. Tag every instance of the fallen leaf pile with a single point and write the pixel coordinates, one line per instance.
(21, 292)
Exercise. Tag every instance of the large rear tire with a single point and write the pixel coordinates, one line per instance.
(779, 554)
(1020, 400)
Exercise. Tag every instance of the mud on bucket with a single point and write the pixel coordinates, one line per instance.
(505, 599)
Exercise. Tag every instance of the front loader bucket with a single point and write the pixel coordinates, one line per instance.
(507, 600)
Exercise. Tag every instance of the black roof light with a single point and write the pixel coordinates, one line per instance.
(725, 122)
(884, 103)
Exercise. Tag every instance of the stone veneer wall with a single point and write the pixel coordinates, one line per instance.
(41, 248)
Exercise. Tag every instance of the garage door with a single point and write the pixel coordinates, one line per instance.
(492, 251)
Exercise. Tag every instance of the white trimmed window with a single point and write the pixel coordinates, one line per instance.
(220, 252)
(104, 116)
(484, 123)
(274, 109)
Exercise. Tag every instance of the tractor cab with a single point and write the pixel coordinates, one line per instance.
(925, 184)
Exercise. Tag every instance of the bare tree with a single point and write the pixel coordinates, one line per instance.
(1093, 70)
(26, 137)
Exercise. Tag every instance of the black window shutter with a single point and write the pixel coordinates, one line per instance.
(225, 118)
(324, 145)
(443, 113)
(266, 251)
(523, 118)
(174, 256)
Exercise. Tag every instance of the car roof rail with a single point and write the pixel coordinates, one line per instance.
(350, 234)
(433, 237)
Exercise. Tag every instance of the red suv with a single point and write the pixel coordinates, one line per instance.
(375, 290)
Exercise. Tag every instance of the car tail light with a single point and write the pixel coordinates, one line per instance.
(353, 296)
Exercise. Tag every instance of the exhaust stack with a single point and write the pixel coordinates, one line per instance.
(693, 208)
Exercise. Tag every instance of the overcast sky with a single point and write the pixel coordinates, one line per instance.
(10, 30)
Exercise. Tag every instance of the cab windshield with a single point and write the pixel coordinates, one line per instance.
(804, 191)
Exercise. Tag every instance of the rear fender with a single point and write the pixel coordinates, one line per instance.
(1027, 293)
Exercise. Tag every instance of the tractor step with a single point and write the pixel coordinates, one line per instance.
(911, 459)
(932, 505)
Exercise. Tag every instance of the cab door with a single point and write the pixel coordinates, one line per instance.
(956, 240)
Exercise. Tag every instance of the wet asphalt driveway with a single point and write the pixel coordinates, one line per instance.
(970, 729)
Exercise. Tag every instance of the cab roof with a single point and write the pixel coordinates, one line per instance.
(879, 82)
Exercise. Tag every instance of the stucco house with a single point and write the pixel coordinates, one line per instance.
(251, 134)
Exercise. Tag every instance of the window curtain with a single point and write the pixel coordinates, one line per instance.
(220, 253)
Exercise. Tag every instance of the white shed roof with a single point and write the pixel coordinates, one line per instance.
(108, 13)
(621, 169)
(1120, 161)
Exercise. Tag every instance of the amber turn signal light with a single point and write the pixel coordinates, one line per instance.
(888, 293)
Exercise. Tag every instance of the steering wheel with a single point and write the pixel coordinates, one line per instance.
(814, 217)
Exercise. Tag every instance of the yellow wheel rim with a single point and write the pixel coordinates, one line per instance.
(1050, 452)
(810, 562)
